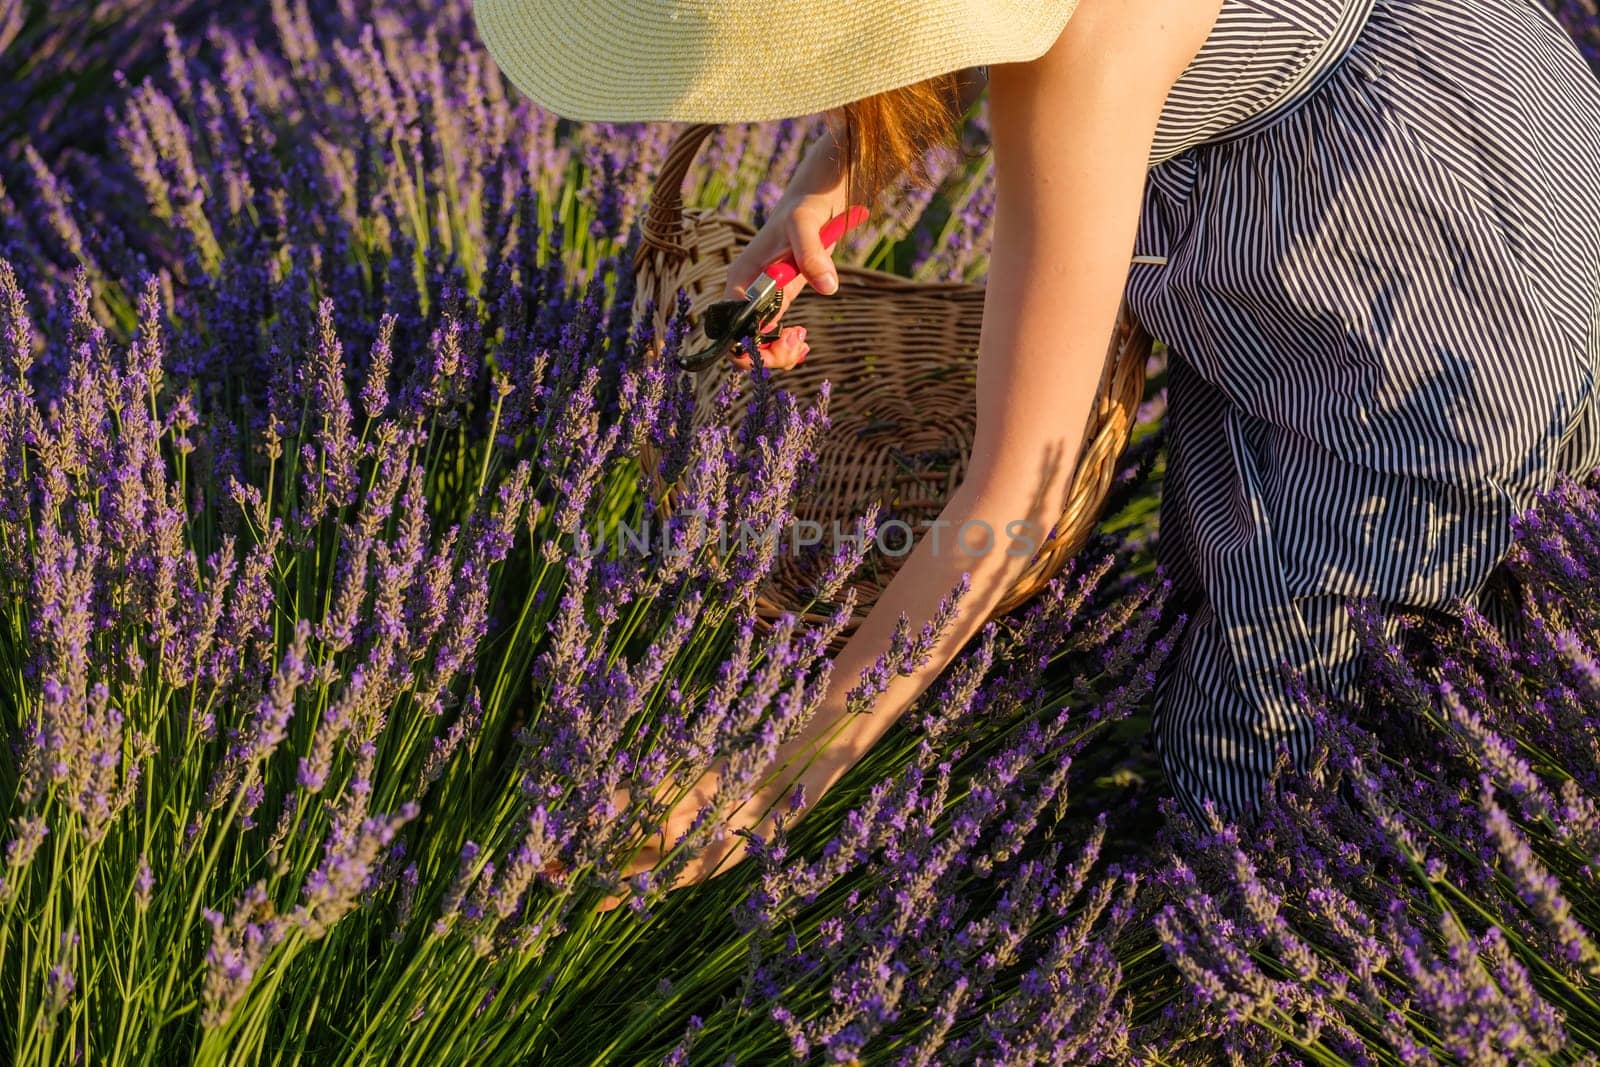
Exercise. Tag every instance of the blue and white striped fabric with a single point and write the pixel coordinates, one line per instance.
(1381, 299)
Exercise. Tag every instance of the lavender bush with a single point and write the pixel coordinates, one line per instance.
(1426, 892)
(283, 671)
(56, 65)
(319, 386)
(309, 414)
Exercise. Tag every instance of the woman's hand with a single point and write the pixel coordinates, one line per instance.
(806, 765)
(792, 227)
(677, 822)
(816, 193)
(787, 351)
(725, 855)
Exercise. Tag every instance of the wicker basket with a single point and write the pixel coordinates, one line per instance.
(899, 438)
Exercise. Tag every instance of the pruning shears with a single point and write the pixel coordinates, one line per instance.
(728, 322)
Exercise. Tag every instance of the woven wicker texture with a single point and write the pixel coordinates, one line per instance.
(901, 357)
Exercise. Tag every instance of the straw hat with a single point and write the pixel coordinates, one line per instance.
(748, 60)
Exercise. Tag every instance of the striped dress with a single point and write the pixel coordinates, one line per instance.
(1370, 240)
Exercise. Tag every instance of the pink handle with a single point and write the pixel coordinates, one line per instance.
(784, 269)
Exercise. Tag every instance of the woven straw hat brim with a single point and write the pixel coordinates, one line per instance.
(744, 61)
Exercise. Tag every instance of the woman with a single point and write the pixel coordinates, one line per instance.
(1367, 230)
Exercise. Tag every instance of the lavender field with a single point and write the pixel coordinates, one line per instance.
(318, 373)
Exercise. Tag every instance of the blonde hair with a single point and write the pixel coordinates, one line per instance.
(889, 134)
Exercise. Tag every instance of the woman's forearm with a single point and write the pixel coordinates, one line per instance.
(1005, 519)
(1019, 515)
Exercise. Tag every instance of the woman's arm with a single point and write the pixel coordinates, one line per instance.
(1071, 133)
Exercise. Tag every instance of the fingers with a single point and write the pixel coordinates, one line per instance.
(764, 248)
(788, 351)
(736, 290)
(813, 260)
(718, 859)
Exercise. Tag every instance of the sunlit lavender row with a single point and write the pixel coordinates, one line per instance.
(321, 364)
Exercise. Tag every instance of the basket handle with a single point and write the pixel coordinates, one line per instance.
(662, 226)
